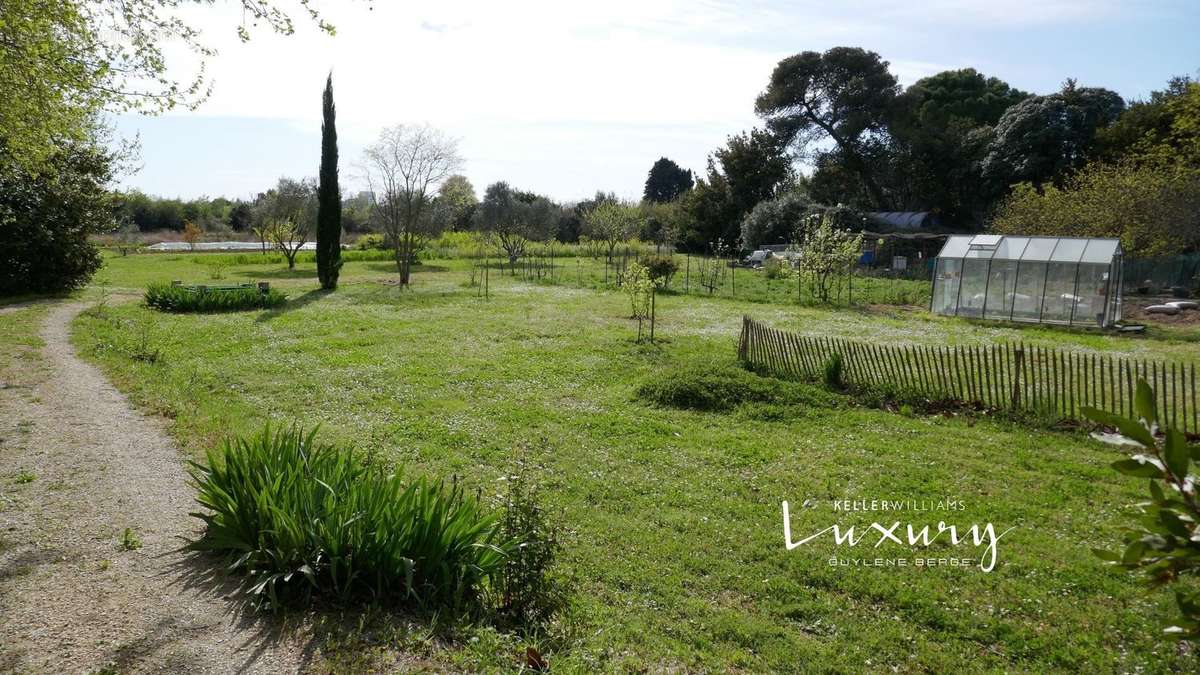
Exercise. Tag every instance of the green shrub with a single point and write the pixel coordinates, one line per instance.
(370, 242)
(662, 268)
(47, 217)
(832, 374)
(298, 519)
(775, 267)
(169, 298)
(722, 388)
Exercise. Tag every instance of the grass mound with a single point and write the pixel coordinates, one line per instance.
(724, 388)
(169, 298)
(299, 519)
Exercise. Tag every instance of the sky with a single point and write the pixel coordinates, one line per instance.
(566, 98)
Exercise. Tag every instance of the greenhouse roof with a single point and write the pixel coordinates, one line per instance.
(1036, 249)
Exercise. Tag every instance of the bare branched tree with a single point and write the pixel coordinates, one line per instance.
(404, 169)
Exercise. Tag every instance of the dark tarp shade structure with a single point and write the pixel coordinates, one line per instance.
(1063, 280)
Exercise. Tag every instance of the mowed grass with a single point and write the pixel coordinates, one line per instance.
(675, 540)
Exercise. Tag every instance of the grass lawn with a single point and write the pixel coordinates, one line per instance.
(675, 537)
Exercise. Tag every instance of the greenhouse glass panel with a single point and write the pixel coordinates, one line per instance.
(1027, 294)
(1058, 300)
(1100, 251)
(1068, 280)
(1012, 248)
(956, 247)
(1000, 288)
(1039, 248)
(1069, 250)
(945, 285)
(974, 284)
(1093, 294)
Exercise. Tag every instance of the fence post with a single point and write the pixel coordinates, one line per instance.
(1016, 385)
(745, 337)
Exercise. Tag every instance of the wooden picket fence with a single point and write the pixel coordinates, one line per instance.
(1008, 375)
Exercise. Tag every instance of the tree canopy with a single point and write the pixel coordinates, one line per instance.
(1154, 210)
(843, 95)
(66, 61)
(514, 218)
(666, 181)
(1043, 138)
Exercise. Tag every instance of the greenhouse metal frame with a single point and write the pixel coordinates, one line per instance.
(1072, 281)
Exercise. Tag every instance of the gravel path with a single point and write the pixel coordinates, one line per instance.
(72, 598)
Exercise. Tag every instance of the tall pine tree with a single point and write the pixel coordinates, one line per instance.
(329, 198)
(667, 180)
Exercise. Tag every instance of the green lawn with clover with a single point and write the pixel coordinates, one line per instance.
(674, 547)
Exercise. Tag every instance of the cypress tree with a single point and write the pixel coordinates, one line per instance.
(329, 198)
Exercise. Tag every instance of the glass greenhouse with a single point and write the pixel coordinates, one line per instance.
(1063, 280)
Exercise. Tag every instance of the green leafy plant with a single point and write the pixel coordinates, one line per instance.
(299, 518)
(24, 476)
(129, 540)
(775, 267)
(1164, 546)
(826, 255)
(661, 268)
(170, 298)
(526, 592)
(640, 288)
(832, 372)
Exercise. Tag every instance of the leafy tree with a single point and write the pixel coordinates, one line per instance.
(405, 168)
(1163, 545)
(750, 168)
(756, 167)
(1178, 144)
(666, 181)
(240, 217)
(515, 218)
(192, 234)
(285, 214)
(826, 253)
(601, 197)
(329, 196)
(611, 223)
(708, 211)
(966, 95)
(640, 287)
(844, 95)
(288, 234)
(939, 134)
(457, 197)
(1043, 138)
(1149, 124)
(568, 226)
(661, 223)
(47, 216)
(774, 221)
(65, 61)
(1153, 209)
